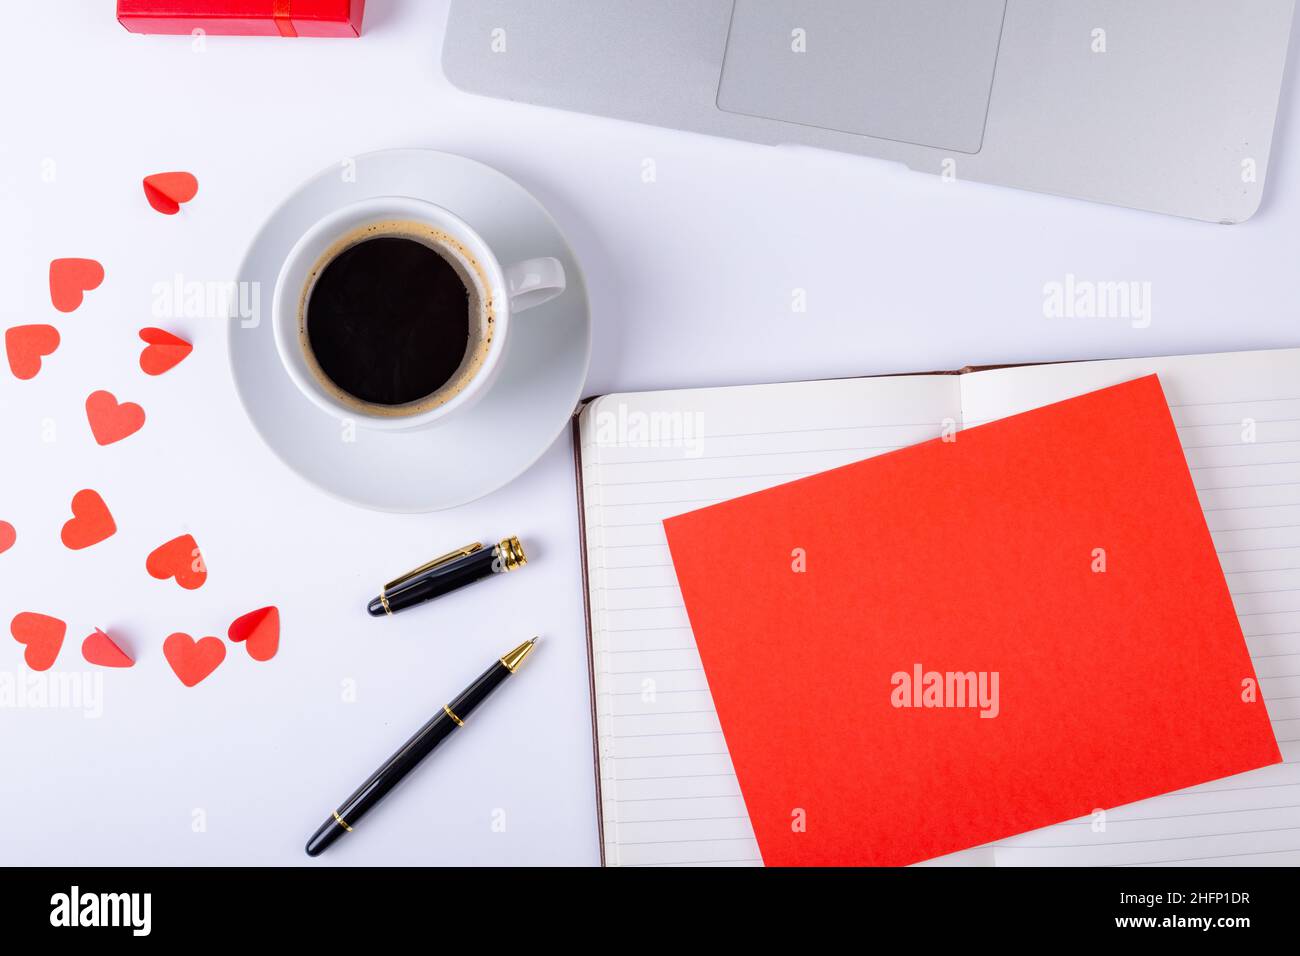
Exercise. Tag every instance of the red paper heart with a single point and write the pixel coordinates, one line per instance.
(43, 636)
(101, 649)
(193, 660)
(261, 629)
(164, 351)
(110, 420)
(26, 345)
(70, 279)
(166, 191)
(91, 521)
(179, 558)
(7, 536)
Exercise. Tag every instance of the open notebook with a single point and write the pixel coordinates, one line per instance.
(667, 793)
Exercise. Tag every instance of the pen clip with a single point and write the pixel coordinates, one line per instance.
(429, 566)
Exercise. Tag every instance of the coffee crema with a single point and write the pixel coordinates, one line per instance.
(395, 318)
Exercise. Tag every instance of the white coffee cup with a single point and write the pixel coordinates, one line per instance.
(504, 291)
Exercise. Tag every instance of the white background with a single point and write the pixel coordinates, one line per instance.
(690, 278)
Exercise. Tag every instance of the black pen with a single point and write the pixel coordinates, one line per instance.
(396, 767)
(447, 573)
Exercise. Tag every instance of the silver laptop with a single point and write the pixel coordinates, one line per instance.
(1166, 105)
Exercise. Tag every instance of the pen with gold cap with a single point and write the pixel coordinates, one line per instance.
(447, 573)
(443, 724)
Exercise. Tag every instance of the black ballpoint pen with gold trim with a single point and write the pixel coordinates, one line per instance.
(396, 767)
(447, 573)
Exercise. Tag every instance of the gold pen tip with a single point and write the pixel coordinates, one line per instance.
(514, 658)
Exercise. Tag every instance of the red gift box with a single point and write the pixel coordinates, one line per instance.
(286, 18)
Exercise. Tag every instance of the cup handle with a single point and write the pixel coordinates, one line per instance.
(534, 281)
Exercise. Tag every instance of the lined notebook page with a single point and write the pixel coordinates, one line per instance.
(1238, 415)
(669, 795)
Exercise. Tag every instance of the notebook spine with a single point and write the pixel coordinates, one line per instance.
(591, 542)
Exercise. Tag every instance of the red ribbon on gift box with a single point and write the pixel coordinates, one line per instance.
(283, 14)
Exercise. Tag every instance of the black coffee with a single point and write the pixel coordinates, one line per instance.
(390, 320)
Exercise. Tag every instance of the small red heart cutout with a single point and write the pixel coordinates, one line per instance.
(110, 420)
(167, 191)
(26, 345)
(101, 649)
(261, 629)
(164, 351)
(43, 636)
(193, 660)
(91, 521)
(7, 536)
(70, 279)
(179, 558)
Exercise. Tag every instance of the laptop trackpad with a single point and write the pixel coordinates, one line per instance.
(915, 71)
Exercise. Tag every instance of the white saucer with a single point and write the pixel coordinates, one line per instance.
(496, 440)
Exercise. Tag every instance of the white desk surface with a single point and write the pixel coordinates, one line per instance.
(691, 278)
